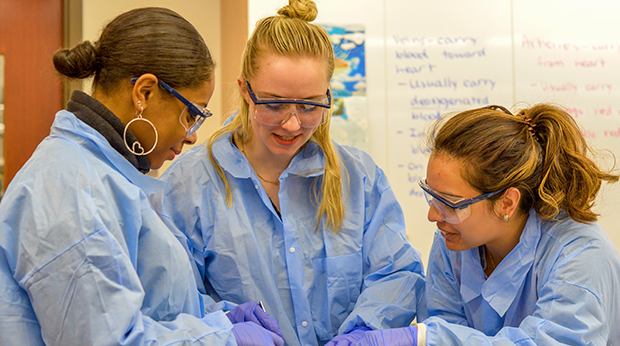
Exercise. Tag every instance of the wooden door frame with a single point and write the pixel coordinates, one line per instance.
(30, 32)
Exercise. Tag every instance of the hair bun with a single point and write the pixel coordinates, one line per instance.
(79, 62)
(302, 9)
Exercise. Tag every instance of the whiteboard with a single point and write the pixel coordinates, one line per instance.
(425, 58)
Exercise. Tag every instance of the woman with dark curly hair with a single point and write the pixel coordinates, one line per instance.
(518, 258)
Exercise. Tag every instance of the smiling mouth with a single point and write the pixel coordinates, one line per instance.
(286, 138)
(445, 233)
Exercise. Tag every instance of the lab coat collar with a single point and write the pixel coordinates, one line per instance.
(97, 116)
(472, 275)
(66, 124)
(502, 287)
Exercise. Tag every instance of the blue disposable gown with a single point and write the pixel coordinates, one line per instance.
(85, 260)
(558, 286)
(315, 282)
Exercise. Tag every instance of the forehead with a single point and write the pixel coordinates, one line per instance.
(290, 77)
(444, 175)
(199, 95)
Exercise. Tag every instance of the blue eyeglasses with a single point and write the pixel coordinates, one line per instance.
(198, 112)
(274, 111)
(455, 211)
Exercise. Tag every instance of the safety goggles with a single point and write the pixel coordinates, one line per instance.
(275, 111)
(197, 112)
(453, 210)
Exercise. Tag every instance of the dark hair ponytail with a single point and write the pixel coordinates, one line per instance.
(79, 62)
(570, 179)
(146, 40)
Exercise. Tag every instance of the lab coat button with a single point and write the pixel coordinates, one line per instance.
(292, 249)
(304, 324)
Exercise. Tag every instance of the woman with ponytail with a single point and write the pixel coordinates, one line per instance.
(518, 258)
(275, 211)
(84, 258)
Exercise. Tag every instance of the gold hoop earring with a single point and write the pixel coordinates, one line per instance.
(506, 218)
(136, 147)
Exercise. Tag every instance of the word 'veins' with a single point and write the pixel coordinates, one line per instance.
(409, 40)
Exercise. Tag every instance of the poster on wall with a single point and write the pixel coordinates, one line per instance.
(349, 124)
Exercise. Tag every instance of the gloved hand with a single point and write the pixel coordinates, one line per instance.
(252, 312)
(251, 334)
(407, 336)
(349, 338)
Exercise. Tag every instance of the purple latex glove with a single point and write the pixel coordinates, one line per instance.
(251, 334)
(407, 336)
(252, 312)
(349, 338)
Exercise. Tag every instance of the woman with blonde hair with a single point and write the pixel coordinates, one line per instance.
(274, 211)
(518, 258)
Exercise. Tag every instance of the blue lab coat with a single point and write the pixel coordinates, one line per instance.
(315, 282)
(84, 258)
(558, 286)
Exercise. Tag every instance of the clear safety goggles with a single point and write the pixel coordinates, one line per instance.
(197, 113)
(275, 111)
(453, 210)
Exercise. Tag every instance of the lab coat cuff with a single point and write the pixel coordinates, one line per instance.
(421, 333)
